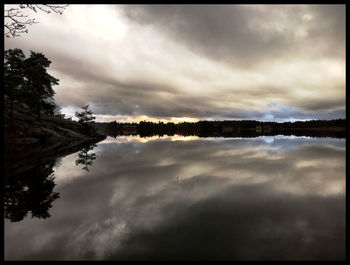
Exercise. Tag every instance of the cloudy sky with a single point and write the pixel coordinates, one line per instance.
(201, 62)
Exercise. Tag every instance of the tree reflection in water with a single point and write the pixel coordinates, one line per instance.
(29, 182)
(29, 191)
(86, 158)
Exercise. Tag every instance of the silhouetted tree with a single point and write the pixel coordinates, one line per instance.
(86, 158)
(30, 191)
(39, 83)
(27, 80)
(85, 117)
(15, 22)
(14, 74)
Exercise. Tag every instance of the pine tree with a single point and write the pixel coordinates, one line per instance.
(85, 117)
(27, 80)
(14, 77)
(39, 84)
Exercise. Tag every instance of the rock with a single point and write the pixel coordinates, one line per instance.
(24, 128)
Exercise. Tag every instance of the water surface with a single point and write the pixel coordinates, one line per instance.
(192, 198)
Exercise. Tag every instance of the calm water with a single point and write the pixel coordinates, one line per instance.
(190, 198)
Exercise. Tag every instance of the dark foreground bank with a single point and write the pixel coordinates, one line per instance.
(22, 127)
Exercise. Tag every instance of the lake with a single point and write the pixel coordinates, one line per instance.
(188, 198)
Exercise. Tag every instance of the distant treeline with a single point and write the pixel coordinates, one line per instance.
(228, 128)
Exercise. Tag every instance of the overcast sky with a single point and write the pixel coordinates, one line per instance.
(201, 62)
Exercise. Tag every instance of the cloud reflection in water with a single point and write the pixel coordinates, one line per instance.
(201, 199)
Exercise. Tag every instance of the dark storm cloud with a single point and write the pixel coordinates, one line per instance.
(227, 32)
(219, 32)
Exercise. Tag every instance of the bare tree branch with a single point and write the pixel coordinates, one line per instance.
(16, 22)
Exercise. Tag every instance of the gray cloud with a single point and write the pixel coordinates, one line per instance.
(236, 33)
(321, 104)
(330, 24)
(220, 32)
(112, 96)
(285, 112)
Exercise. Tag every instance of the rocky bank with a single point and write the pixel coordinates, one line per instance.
(25, 129)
